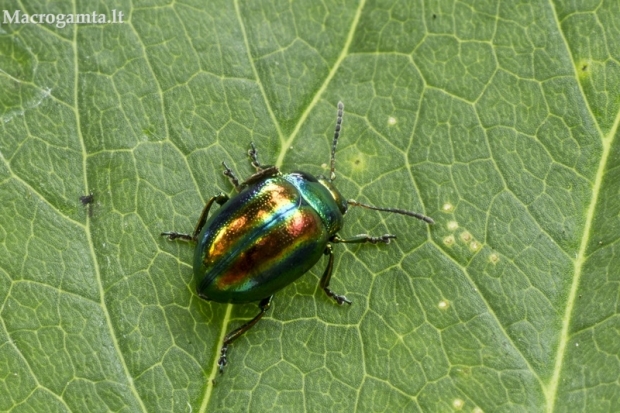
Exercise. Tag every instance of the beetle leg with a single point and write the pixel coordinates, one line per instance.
(235, 334)
(363, 238)
(220, 199)
(231, 175)
(253, 154)
(327, 275)
(260, 175)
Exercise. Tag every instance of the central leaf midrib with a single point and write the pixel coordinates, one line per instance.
(552, 388)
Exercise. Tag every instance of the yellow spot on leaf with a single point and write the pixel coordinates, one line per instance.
(466, 236)
(475, 245)
(449, 240)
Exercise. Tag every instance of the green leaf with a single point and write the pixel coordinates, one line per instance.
(497, 119)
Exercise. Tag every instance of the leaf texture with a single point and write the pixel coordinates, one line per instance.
(497, 119)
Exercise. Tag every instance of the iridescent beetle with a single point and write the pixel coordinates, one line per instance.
(270, 234)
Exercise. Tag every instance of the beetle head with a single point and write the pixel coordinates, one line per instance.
(335, 193)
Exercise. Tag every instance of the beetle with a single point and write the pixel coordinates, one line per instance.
(271, 233)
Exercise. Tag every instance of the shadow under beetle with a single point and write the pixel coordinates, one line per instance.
(269, 234)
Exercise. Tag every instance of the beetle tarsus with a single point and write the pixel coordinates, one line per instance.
(340, 299)
(222, 360)
(383, 238)
(327, 275)
(253, 154)
(235, 334)
(231, 176)
(363, 238)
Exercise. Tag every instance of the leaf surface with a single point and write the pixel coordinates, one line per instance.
(497, 119)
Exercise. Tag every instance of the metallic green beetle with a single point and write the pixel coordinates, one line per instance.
(270, 234)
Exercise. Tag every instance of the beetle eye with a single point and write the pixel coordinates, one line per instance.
(305, 176)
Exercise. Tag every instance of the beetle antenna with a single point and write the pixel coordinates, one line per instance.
(417, 215)
(332, 173)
